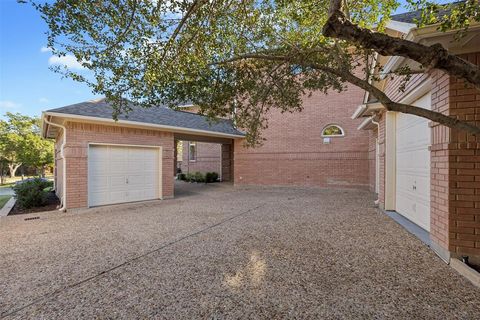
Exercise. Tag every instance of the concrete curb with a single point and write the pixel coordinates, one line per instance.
(472, 275)
(7, 207)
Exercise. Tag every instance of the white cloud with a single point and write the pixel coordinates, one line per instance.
(43, 100)
(45, 49)
(68, 61)
(6, 105)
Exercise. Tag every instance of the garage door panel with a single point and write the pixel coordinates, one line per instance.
(99, 183)
(99, 197)
(122, 174)
(413, 166)
(150, 180)
(137, 181)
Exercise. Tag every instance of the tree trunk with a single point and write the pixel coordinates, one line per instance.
(2, 179)
(13, 169)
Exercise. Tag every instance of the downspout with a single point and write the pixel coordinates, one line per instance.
(377, 202)
(64, 163)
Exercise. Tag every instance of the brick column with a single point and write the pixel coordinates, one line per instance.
(455, 171)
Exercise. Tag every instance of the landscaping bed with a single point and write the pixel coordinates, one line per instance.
(52, 203)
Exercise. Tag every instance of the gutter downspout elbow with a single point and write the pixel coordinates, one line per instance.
(64, 163)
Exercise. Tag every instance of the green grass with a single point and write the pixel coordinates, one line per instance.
(3, 200)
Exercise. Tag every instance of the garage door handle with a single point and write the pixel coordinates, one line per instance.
(126, 180)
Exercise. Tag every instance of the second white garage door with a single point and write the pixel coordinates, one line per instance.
(118, 174)
(413, 166)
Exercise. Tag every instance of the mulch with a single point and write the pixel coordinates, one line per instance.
(52, 203)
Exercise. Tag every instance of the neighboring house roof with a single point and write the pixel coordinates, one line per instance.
(415, 16)
(160, 116)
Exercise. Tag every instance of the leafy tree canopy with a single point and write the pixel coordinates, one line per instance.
(21, 143)
(237, 57)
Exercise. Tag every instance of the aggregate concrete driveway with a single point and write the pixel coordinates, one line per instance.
(223, 252)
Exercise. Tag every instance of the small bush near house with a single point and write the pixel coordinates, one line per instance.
(182, 176)
(199, 177)
(32, 193)
(211, 177)
(190, 177)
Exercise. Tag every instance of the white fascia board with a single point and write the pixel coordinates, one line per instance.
(359, 111)
(367, 109)
(144, 125)
(365, 123)
(402, 27)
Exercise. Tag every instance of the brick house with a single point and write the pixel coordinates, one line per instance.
(426, 175)
(424, 171)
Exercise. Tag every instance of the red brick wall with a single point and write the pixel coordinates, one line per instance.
(76, 151)
(439, 168)
(294, 152)
(208, 158)
(464, 168)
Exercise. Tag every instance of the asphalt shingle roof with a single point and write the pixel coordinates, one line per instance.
(415, 16)
(160, 115)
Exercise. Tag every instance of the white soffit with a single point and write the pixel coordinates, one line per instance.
(367, 109)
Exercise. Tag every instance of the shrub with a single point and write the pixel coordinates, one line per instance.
(199, 177)
(190, 177)
(181, 176)
(211, 177)
(32, 193)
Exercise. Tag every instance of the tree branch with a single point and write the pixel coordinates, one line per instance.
(195, 5)
(434, 56)
(365, 85)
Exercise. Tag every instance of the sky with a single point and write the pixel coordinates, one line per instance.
(27, 85)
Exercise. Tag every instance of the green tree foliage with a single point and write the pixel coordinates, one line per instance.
(21, 143)
(232, 57)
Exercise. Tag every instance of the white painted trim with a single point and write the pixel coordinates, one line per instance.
(377, 166)
(122, 145)
(402, 27)
(359, 111)
(160, 164)
(64, 161)
(418, 92)
(365, 123)
(367, 107)
(390, 160)
(143, 125)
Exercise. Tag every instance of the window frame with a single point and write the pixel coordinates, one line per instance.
(333, 135)
(190, 144)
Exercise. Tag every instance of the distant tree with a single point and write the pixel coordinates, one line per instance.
(247, 56)
(21, 143)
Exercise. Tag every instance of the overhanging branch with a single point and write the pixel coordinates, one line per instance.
(363, 84)
(434, 56)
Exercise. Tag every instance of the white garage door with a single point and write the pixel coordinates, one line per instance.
(413, 166)
(119, 174)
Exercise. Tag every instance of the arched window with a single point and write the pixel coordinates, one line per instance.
(333, 130)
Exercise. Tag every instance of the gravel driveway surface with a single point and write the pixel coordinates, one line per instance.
(224, 252)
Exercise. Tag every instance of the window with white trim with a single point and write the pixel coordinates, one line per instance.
(192, 151)
(332, 130)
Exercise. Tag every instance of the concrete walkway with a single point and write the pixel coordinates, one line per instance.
(224, 252)
(5, 191)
